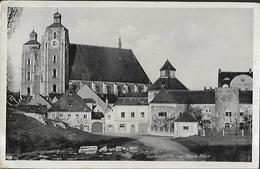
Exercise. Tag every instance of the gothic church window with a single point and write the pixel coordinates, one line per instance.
(54, 35)
(28, 90)
(54, 58)
(28, 62)
(54, 73)
(54, 88)
(28, 75)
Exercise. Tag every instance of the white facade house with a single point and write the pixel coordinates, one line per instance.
(185, 126)
(129, 116)
(73, 110)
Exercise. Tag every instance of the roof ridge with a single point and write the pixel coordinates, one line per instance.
(99, 46)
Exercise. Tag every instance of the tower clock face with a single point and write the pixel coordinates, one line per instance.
(54, 43)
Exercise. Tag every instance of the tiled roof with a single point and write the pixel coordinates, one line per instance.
(132, 101)
(32, 42)
(96, 63)
(167, 66)
(168, 83)
(70, 102)
(185, 117)
(185, 97)
(246, 96)
(55, 25)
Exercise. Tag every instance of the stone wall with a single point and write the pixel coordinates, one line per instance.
(227, 107)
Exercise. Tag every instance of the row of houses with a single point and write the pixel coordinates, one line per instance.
(167, 109)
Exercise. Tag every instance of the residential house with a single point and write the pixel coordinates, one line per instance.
(129, 115)
(185, 125)
(73, 110)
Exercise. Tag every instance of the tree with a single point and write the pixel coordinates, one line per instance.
(248, 121)
(196, 114)
(13, 15)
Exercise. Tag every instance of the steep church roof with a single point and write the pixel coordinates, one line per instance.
(167, 66)
(168, 83)
(185, 97)
(96, 63)
(70, 102)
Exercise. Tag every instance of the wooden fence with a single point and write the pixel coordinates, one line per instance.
(226, 132)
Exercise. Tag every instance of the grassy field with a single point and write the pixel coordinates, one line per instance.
(25, 134)
(228, 148)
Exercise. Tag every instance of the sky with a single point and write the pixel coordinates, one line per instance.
(197, 41)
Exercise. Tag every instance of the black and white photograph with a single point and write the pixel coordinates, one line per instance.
(130, 83)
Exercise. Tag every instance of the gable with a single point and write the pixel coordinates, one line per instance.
(70, 102)
(168, 83)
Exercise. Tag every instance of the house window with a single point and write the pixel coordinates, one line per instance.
(167, 73)
(228, 114)
(98, 89)
(109, 89)
(61, 115)
(28, 62)
(241, 113)
(185, 128)
(142, 114)
(122, 126)
(206, 110)
(54, 35)
(162, 114)
(54, 73)
(54, 58)
(108, 117)
(52, 115)
(122, 114)
(132, 114)
(69, 115)
(85, 116)
(77, 115)
(28, 75)
(227, 125)
(54, 88)
(28, 90)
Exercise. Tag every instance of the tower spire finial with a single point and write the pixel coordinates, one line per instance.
(119, 43)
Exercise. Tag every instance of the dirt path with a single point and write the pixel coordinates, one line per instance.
(167, 148)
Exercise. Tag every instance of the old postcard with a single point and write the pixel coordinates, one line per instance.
(129, 85)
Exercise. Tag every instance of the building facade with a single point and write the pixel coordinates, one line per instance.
(129, 115)
(53, 65)
(73, 110)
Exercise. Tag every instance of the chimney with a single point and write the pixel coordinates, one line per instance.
(219, 71)
(205, 88)
(250, 70)
(119, 43)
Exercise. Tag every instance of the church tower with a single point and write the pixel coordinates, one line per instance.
(55, 57)
(167, 70)
(30, 66)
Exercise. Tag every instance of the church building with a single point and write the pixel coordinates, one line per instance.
(51, 66)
